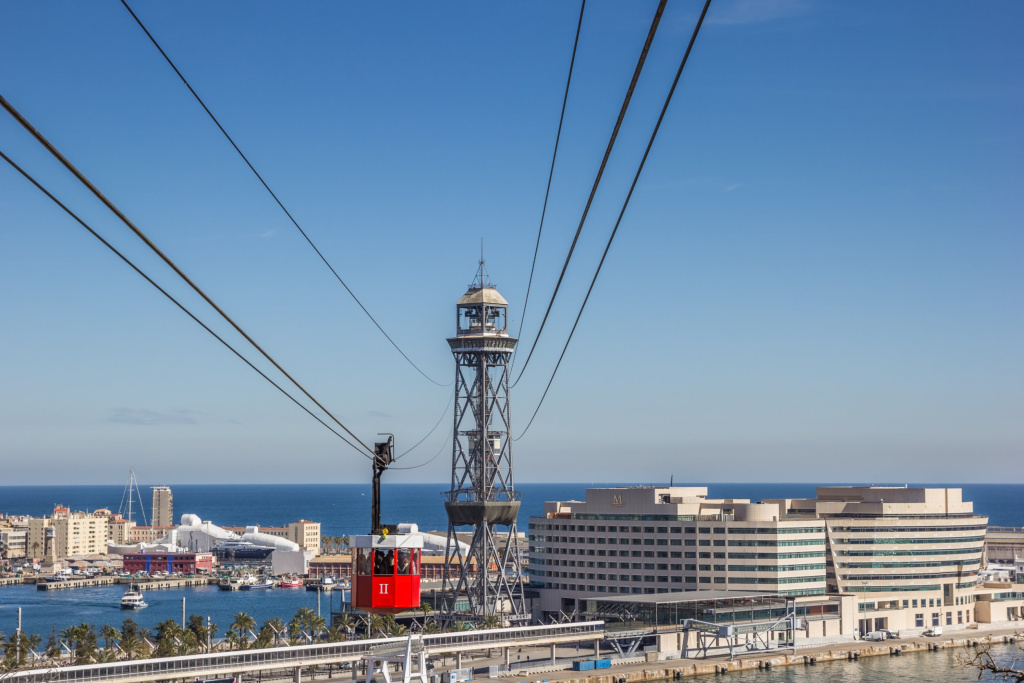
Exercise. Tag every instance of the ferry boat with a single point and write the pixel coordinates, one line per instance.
(132, 599)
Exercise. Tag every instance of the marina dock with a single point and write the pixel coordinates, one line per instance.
(144, 584)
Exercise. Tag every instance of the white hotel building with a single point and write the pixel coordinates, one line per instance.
(910, 556)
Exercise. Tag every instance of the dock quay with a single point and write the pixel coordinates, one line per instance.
(143, 584)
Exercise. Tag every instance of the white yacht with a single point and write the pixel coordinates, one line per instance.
(132, 599)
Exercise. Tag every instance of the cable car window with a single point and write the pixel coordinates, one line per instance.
(404, 562)
(383, 562)
(415, 570)
(363, 561)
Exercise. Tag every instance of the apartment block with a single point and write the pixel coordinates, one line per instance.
(163, 507)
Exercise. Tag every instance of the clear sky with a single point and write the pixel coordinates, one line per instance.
(819, 277)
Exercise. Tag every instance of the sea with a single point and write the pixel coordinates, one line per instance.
(344, 509)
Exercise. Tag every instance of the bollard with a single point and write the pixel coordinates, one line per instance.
(768, 664)
(814, 660)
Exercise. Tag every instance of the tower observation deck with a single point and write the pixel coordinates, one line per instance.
(482, 494)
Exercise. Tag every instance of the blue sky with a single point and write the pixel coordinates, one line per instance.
(818, 277)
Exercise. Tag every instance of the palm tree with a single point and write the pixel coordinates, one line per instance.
(189, 644)
(110, 635)
(276, 625)
(430, 626)
(316, 624)
(31, 642)
(168, 633)
(133, 644)
(35, 549)
(242, 624)
(492, 621)
(294, 631)
(347, 622)
(374, 625)
(264, 637)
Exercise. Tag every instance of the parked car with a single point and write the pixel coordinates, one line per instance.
(934, 632)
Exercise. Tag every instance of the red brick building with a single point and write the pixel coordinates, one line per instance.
(174, 563)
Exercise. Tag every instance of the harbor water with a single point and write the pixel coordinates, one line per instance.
(46, 611)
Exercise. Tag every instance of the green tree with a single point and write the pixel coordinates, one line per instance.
(110, 636)
(133, 644)
(264, 637)
(168, 635)
(276, 625)
(188, 644)
(294, 631)
(317, 625)
(241, 626)
(347, 622)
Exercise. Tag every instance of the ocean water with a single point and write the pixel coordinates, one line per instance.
(345, 508)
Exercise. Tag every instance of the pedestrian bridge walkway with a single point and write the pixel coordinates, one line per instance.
(228, 664)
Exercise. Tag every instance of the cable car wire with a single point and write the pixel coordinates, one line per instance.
(274, 195)
(432, 459)
(160, 289)
(436, 425)
(141, 235)
(636, 177)
(597, 180)
(551, 172)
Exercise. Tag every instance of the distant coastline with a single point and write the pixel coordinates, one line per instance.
(344, 508)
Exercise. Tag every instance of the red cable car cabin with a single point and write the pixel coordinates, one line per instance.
(386, 575)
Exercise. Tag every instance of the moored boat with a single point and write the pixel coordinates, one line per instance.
(291, 582)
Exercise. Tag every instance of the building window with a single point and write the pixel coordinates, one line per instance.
(919, 620)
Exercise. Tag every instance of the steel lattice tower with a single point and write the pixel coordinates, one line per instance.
(489, 573)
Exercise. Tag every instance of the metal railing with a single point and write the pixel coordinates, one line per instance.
(230, 663)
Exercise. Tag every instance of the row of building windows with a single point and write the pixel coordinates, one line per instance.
(775, 556)
(666, 530)
(908, 529)
(908, 553)
(894, 565)
(901, 541)
(766, 543)
(905, 577)
(775, 567)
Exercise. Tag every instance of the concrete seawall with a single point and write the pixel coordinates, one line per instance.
(679, 668)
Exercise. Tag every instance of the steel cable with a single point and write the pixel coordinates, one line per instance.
(124, 219)
(551, 172)
(597, 180)
(272, 194)
(166, 294)
(636, 177)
